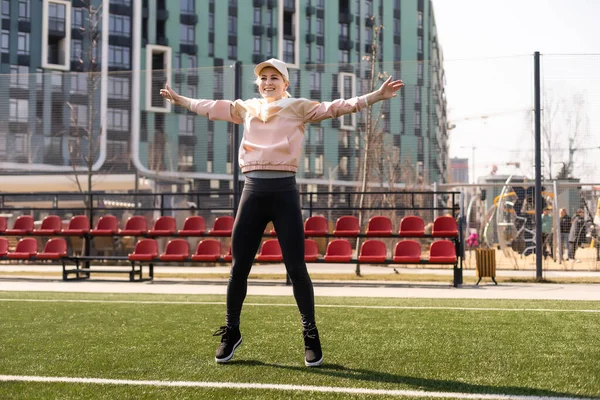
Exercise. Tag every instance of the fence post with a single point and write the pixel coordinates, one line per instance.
(538, 167)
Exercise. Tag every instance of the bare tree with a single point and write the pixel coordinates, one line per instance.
(85, 133)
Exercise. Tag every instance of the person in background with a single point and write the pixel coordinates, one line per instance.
(576, 233)
(270, 149)
(547, 242)
(565, 228)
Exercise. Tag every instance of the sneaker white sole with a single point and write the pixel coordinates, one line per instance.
(227, 359)
(314, 363)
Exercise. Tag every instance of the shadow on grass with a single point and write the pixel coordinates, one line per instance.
(412, 383)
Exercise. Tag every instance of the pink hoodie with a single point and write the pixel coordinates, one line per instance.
(273, 132)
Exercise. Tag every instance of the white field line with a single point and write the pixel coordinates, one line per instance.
(278, 387)
(294, 305)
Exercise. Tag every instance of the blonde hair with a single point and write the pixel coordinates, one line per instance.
(286, 94)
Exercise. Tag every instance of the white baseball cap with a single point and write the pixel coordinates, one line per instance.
(275, 63)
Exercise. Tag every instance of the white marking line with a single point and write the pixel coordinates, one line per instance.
(270, 386)
(294, 305)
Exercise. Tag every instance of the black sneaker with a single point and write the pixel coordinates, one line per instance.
(231, 338)
(313, 356)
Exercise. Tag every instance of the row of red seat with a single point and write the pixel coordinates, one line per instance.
(108, 225)
(338, 250)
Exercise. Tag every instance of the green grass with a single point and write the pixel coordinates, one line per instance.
(508, 350)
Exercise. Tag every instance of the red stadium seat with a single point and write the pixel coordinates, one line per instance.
(222, 226)
(270, 251)
(3, 224)
(135, 226)
(228, 257)
(145, 250)
(445, 226)
(107, 225)
(176, 250)
(51, 225)
(79, 225)
(412, 226)
(55, 249)
(3, 246)
(407, 252)
(373, 251)
(316, 226)
(193, 226)
(442, 251)
(379, 226)
(311, 250)
(26, 248)
(338, 250)
(164, 226)
(23, 226)
(207, 250)
(346, 226)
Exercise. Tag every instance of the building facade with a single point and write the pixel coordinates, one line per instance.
(70, 109)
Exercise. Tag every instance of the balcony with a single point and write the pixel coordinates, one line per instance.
(258, 30)
(271, 3)
(188, 48)
(258, 58)
(162, 15)
(271, 31)
(289, 6)
(310, 37)
(345, 43)
(346, 18)
(310, 10)
(162, 40)
(56, 27)
(188, 19)
(369, 21)
(258, 3)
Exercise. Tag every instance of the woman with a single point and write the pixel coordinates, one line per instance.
(269, 151)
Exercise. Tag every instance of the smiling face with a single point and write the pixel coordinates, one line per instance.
(271, 84)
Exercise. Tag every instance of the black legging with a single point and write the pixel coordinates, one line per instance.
(264, 200)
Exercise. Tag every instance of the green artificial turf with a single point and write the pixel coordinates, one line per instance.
(538, 348)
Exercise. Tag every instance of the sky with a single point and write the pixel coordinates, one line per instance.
(488, 48)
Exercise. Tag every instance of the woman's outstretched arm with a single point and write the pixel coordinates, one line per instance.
(315, 111)
(223, 110)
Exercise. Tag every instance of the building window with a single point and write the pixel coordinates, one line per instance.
(187, 7)
(396, 52)
(417, 94)
(117, 119)
(269, 48)
(56, 17)
(396, 26)
(347, 89)
(76, 50)
(368, 35)
(232, 25)
(308, 55)
(79, 115)
(315, 81)
(118, 87)
(288, 51)
(232, 51)
(320, 27)
(18, 110)
(369, 7)
(5, 8)
(120, 25)
(256, 48)
(417, 119)
(186, 155)
(116, 151)
(319, 164)
(344, 56)
(118, 56)
(19, 76)
(419, 69)
(344, 30)
(318, 136)
(419, 44)
(79, 82)
(23, 43)
(187, 34)
(5, 41)
(77, 18)
(186, 125)
(320, 57)
(211, 49)
(24, 10)
(122, 2)
(211, 22)
(420, 19)
(191, 62)
(257, 16)
(320, 4)
(270, 17)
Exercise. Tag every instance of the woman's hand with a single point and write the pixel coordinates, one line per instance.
(171, 96)
(389, 88)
